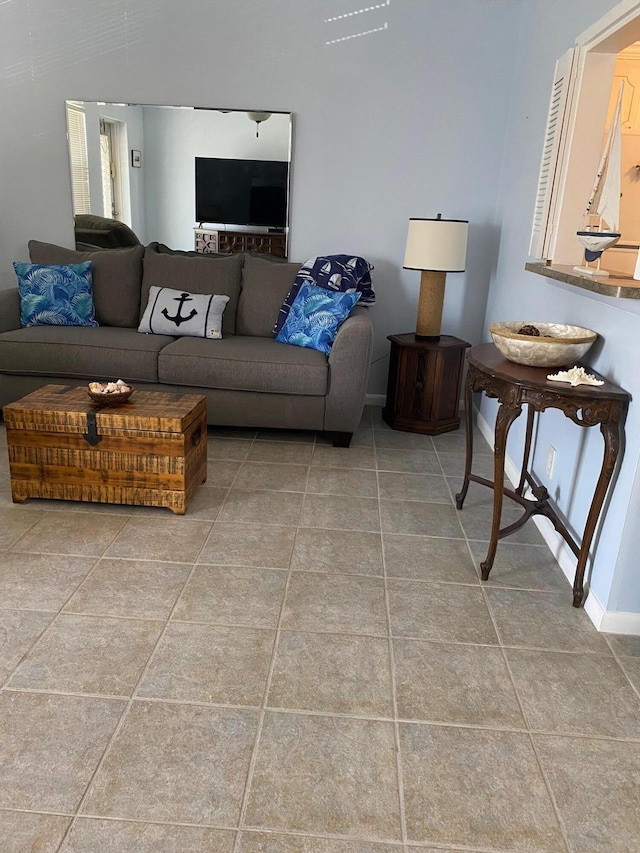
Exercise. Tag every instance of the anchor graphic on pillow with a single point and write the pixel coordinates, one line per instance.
(178, 317)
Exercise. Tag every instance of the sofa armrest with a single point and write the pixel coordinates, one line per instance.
(349, 364)
(9, 309)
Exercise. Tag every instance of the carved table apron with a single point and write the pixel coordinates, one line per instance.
(586, 405)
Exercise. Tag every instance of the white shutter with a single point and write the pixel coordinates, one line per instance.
(552, 153)
(77, 134)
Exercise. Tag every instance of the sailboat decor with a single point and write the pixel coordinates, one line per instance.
(601, 224)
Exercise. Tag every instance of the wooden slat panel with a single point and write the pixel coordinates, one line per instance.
(56, 406)
(166, 445)
(174, 500)
(90, 477)
(97, 460)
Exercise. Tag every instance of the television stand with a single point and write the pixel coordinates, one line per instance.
(209, 241)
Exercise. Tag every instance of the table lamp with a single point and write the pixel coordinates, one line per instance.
(435, 247)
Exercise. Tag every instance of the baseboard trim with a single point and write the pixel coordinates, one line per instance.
(606, 621)
(375, 400)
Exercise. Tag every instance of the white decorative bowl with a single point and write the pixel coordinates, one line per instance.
(558, 344)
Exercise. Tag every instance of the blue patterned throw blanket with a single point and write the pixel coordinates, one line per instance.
(344, 273)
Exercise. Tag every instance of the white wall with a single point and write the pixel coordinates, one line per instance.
(549, 28)
(407, 121)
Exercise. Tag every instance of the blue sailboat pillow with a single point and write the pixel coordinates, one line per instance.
(58, 295)
(315, 316)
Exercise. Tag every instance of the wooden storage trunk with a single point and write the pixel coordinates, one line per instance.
(150, 451)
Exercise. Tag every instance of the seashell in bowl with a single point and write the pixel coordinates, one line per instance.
(109, 393)
(557, 344)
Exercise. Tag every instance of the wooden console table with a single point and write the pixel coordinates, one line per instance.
(207, 241)
(586, 405)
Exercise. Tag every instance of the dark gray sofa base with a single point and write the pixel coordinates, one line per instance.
(248, 379)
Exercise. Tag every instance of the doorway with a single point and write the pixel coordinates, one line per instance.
(621, 258)
(109, 167)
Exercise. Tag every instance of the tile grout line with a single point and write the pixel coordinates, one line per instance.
(244, 803)
(24, 533)
(617, 657)
(338, 715)
(543, 773)
(392, 671)
(129, 703)
(554, 804)
(58, 613)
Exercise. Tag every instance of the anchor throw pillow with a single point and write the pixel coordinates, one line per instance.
(175, 312)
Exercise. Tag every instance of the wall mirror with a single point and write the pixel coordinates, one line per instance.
(167, 170)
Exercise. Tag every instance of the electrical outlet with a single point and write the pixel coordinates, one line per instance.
(551, 460)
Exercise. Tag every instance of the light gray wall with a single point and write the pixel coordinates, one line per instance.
(550, 28)
(407, 121)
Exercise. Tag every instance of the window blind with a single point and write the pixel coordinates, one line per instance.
(76, 131)
(550, 167)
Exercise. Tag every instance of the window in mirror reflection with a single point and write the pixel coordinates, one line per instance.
(77, 137)
(109, 167)
(158, 200)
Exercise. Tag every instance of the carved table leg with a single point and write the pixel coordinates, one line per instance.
(469, 443)
(612, 434)
(527, 452)
(507, 413)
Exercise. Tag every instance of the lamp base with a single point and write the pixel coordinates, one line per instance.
(426, 337)
(430, 304)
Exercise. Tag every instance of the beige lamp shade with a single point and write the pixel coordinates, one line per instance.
(436, 244)
(436, 247)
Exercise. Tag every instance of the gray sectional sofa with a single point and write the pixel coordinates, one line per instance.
(248, 378)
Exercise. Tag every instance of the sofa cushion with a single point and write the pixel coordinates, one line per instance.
(220, 276)
(244, 364)
(80, 352)
(264, 287)
(117, 274)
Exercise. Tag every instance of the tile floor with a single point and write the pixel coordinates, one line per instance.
(306, 663)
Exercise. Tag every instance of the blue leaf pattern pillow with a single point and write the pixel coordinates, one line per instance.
(345, 273)
(315, 316)
(58, 295)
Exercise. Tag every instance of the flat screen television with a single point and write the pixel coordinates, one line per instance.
(241, 192)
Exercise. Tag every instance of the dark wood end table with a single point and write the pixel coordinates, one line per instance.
(423, 389)
(586, 405)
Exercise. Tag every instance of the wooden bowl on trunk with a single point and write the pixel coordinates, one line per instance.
(109, 398)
